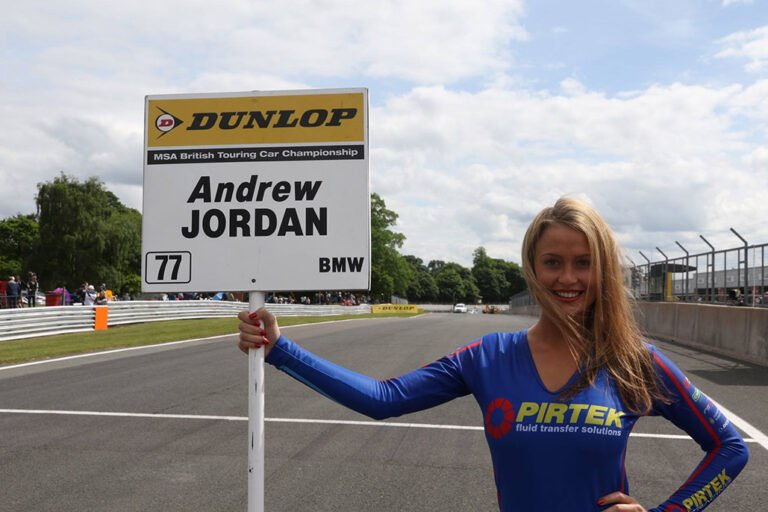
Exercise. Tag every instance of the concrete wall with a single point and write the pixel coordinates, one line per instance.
(532, 310)
(738, 332)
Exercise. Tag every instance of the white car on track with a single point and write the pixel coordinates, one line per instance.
(460, 308)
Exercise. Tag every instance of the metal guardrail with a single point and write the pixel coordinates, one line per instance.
(45, 321)
(31, 322)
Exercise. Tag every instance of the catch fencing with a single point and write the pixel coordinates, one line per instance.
(737, 276)
(44, 321)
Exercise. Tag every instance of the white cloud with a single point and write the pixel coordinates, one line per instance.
(727, 3)
(751, 44)
(415, 41)
(464, 148)
(752, 103)
(81, 98)
(572, 87)
(479, 166)
(467, 169)
(758, 159)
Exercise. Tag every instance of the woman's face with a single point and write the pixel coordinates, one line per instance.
(563, 266)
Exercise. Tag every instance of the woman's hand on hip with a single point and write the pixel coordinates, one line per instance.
(620, 503)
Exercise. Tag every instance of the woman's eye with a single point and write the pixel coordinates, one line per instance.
(551, 262)
(584, 263)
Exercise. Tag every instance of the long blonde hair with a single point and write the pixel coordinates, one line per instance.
(607, 336)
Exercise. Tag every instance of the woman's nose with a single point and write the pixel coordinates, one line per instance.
(567, 276)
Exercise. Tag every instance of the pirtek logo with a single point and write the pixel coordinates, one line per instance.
(499, 418)
(708, 492)
(500, 415)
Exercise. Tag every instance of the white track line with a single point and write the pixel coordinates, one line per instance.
(292, 420)
(756, 435)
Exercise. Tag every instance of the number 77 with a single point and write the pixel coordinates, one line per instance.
(163, 259)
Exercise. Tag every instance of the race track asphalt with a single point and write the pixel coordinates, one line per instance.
(163, 429)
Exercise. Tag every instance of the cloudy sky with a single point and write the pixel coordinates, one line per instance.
(482, 113)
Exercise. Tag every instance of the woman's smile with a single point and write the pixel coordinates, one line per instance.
(567, 296)
(563, 265)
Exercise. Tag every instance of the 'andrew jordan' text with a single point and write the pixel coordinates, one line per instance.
(244, 222)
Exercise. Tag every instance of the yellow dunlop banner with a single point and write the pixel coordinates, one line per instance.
(278, 119)
(395, 308)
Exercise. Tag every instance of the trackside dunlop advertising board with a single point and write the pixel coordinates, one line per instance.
(395, 308)
(256, 191)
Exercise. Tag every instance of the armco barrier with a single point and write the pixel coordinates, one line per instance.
(31, 322)
(41, 321)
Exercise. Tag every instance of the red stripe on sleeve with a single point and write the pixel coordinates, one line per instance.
(467, 347)
(695, 410)
(698, 415)
(459, 351)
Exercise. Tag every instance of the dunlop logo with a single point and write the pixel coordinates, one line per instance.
(270, 119)
(257, 120)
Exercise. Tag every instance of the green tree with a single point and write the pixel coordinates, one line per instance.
(455, 283)
(490, 276)
(122, 234)
(86, 234)
(496, 278)
(423, 287)
(515, 278)
(19, 236)
(435, 265)
(450, 285)
(390, 273)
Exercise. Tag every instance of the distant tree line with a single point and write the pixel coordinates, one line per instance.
(491, 280)
(82, 232)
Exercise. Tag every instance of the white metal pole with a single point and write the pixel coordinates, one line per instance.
(255, 417)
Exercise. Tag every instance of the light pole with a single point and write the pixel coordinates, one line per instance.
(648, 275)
(666, 275)
(632, 273)
(746, 266)
(686, 267)
(712, 266)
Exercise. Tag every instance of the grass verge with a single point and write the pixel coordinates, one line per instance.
(46, 347)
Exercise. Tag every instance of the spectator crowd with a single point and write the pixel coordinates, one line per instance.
(322, 298)
(17, 293)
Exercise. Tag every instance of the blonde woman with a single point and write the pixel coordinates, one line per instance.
(558, 400)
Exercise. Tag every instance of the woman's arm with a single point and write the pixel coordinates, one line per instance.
(426, 387)
(694, 412)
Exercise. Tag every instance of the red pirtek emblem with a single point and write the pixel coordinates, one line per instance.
(505, 412)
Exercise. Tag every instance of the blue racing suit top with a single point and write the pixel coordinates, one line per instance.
(548, 455)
